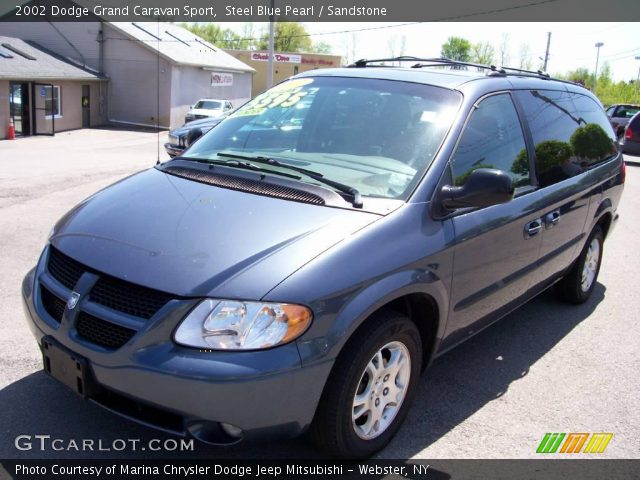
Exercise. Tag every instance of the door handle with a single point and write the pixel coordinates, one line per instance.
(533, 228)
(552, 219)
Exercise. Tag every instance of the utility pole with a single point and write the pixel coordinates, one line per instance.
(546, 54)
(637, 78)
(271, 42)
(595, 80)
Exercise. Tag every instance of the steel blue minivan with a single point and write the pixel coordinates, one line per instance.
(299, 266)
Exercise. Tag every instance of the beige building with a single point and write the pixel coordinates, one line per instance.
(43, 93)
(285, 65)
(155, 71)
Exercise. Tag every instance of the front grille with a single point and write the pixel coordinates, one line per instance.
(246, 185)
(116, 294)
(101, 332)
(52, 304)
(64, 269)
(127, 297)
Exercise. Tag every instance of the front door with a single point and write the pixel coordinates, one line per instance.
(45, 109)
(19, 110)
(86, 106)
(496, 247)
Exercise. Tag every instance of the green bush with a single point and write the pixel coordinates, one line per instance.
(591, 141)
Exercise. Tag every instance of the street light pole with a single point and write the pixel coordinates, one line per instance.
(546, 54)
(271, 47)
(595, 80)
(637, 78)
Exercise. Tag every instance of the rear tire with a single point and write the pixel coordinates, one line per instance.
(370, 389)
(576, 287)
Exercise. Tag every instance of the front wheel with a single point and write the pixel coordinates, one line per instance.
(576, 287)
(370, 388)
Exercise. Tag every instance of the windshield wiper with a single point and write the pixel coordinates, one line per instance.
(236, 164)
(355, 194)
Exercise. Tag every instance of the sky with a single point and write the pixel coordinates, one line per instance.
(572, 44)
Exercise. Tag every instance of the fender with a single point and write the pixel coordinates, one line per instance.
(370, 299)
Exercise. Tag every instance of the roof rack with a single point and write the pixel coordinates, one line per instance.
(444, 62)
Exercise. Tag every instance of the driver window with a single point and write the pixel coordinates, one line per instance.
(493, 138)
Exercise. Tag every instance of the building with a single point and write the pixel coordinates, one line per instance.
(42, 93)
(155, 70)
(284, 65)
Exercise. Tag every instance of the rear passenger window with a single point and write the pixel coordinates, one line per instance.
(492, 139)
(595, 141)
(567, 139)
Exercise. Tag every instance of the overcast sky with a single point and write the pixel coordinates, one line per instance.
(572, 44)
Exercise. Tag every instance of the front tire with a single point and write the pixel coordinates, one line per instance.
(576, 287)
(370, 389)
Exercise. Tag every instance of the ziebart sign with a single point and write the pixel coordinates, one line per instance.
(221, 79)
(277, 57)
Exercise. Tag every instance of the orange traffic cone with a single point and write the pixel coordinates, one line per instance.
(11, 133)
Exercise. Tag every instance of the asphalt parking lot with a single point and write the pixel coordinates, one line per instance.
(547, 367)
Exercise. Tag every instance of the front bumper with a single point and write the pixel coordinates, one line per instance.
(173, 150)
(187, 391)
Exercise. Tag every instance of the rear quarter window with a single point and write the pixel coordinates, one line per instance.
(595, 140)
(570, 133)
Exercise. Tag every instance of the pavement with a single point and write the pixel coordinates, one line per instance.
(547, 367)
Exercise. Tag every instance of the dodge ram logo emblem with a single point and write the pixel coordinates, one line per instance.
(73, 300)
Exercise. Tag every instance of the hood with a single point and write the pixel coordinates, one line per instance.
(205, 111)
(193, 239)
(205, 124)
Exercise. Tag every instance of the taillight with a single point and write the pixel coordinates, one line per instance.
(628, 134)
(623, 171)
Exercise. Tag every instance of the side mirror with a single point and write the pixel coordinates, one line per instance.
(190, 107)
(483, 188)
(192, 135)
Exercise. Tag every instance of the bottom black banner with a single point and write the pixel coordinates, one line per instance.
(349, 470)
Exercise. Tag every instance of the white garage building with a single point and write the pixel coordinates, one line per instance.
(154, 71)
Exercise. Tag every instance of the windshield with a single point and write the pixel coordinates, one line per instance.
(376, 136)
(208, 105)
(627, 111)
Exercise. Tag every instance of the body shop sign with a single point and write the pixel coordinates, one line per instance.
(220, 79)
(277, 57)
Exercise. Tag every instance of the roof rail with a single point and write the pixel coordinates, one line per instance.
(444, 62)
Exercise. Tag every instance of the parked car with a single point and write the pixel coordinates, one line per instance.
(630, 142)
(289, 276)
(207, 107)
(619, 116)
(178, 136)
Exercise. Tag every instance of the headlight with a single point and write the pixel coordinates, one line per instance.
(236, 325)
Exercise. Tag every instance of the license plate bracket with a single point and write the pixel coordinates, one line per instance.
(67, 367)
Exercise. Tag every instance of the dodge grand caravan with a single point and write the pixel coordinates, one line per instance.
(298, 267)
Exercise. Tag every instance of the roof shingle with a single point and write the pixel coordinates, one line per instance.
(27, 60)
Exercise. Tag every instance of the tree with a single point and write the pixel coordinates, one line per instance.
(591, 141)
(456, 48)
(482, 52)
(212, 33)
(396, 45)
(322, 47)
(525, 56)
(503, 49)
(289, 37)
(552, 153)
(350, 49)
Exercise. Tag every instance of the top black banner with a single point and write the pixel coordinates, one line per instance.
(319, 10)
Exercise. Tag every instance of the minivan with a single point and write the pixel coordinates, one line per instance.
(300, 265)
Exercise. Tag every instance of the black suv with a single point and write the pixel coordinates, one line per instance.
(297, 267)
